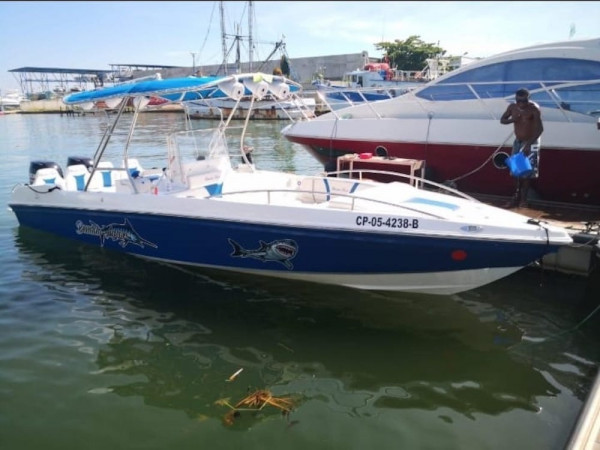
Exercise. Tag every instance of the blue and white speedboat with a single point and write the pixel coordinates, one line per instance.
(208, 208)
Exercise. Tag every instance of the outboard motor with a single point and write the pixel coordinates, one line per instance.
(34, 166)
(74, 160)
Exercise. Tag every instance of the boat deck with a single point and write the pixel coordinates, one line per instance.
(578, 218)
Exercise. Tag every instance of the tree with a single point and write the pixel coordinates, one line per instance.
(410, 54)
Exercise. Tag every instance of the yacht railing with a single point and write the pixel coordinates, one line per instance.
(567, 96)
(337, 98)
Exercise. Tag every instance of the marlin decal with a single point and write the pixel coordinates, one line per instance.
(280, 251)
(123, 233)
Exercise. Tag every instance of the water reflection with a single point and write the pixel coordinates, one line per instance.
(557, 313)
(176, 335)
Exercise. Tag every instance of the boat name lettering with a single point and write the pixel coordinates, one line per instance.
(122, 233)
(387, 222)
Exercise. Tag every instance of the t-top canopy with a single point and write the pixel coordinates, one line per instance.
(193, 88)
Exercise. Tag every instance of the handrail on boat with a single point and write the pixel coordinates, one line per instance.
(412, 178)
(353, 197)
(109, 132)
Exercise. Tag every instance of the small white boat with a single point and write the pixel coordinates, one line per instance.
(10, 100)
(374, 82)
(204, 209)
(269, 108)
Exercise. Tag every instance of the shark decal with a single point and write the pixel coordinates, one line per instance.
(123, 233)
(281, 251)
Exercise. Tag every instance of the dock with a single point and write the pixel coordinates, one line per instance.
(586, 433)
(582, 223)
(55, 106)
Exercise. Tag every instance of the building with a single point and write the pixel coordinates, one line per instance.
(303, 70)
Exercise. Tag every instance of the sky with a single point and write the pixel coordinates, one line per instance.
(93, 35)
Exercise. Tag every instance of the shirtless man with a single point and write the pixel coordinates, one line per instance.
(527, 120)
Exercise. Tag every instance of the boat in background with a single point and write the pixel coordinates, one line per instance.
(334, 98)
(210, 208)
(453, 123)
(269, 108)
(374, 82)
(381, 75)
(10, 100)
(378, 81)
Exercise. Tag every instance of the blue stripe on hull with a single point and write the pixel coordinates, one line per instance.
(257, 246)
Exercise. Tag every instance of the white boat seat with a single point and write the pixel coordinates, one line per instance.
(104, 178)
(142, 185)
(48, 175)
(312, 190)
(76, 177)
(208, 174)
(134, 166)
(321, 189)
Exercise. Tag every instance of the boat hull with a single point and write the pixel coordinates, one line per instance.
(568, 173)
(381, 261)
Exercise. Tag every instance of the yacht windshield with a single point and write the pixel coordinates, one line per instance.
(571, 84)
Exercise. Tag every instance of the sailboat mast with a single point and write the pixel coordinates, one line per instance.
(223, 40)
(238, 61)
(250, 45)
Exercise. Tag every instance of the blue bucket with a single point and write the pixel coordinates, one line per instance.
(519, 165)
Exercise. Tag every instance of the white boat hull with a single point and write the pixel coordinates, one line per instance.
(263, 110)
(413, 250)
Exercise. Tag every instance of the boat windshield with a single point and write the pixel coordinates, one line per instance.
(571, 84)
